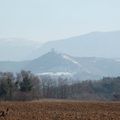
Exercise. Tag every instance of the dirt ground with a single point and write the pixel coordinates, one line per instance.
(59, 110)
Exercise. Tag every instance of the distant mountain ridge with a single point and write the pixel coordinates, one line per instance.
(95, 44)
(95, 55)
(16, 49)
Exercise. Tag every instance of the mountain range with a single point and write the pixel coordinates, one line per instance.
(77, 67)
(89, 56)
(17, 49)
(95, 44)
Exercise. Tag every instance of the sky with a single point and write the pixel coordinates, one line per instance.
(45, 20)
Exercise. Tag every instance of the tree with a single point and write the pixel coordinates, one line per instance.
(7, 85)
(26, 83)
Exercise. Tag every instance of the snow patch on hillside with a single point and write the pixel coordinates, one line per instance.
(71, 60)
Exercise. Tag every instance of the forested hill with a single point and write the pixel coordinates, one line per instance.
(81, 68)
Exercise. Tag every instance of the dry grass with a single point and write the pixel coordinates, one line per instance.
(60, 110)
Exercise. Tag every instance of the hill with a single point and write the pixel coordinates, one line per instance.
(54, 63)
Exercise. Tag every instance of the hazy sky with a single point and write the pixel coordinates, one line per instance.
(55, 19)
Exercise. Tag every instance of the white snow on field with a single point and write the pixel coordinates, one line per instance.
(56, 73)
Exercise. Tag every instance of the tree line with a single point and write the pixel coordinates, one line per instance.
(27, 86)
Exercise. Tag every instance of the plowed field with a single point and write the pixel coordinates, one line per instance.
(59, 110)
